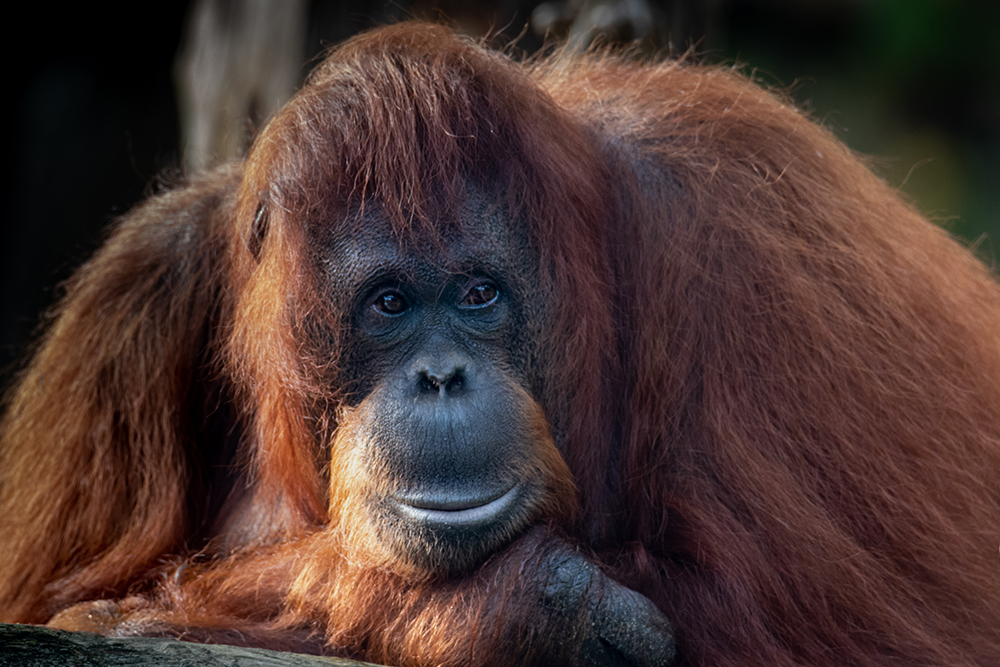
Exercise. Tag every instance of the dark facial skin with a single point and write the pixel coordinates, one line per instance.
(435, 362)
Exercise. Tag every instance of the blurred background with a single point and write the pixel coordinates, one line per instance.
(102, 102)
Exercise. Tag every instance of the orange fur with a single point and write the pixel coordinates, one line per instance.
(775, 386)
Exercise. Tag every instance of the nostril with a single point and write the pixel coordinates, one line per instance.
(428, 383)
(441, 382)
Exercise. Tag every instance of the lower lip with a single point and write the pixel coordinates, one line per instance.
(468, 517)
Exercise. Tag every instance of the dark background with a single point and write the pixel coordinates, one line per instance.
(92, 117)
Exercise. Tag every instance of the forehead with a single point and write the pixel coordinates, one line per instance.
(482, 237)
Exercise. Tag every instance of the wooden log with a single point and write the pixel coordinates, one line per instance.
(37, 646)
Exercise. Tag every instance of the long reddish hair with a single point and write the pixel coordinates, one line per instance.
(775, 386)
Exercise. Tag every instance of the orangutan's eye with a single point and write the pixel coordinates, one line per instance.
(390, 303)
(481, 295)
